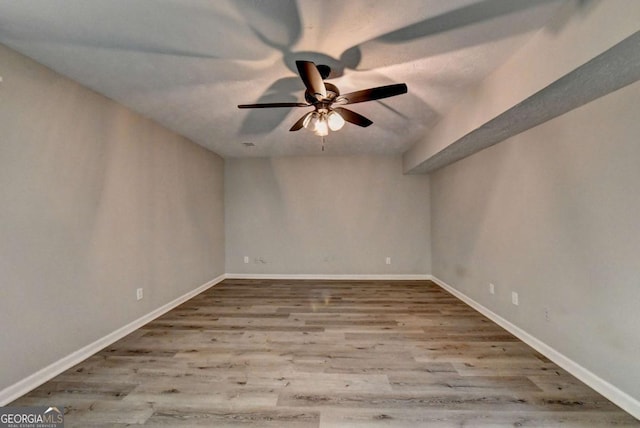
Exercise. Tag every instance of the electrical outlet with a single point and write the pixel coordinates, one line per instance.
(246, 259)
(139, 294)
(514, 298)
(388, 261)
(547, 315)
(492, 289)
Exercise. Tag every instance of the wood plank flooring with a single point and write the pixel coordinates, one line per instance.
(275, 353)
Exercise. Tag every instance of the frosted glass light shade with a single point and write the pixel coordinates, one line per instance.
(336, 122)
(311, 120)
(322, 128)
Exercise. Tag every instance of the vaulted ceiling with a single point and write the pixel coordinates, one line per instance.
(187, 64)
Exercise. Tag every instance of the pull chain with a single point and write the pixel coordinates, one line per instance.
(323, 143)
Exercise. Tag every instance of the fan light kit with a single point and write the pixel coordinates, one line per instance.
(321, 121)
(326, 100)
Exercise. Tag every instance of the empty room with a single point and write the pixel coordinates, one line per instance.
(302, 213)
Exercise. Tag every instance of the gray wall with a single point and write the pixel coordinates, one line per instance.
(554, 214)
(326, 215)
(95, 201)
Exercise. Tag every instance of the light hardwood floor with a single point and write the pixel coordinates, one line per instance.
(275, 353)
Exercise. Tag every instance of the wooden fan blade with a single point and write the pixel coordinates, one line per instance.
(353, 117)
(270, 105)
(375, 93)
(312, 79)
(300, 123)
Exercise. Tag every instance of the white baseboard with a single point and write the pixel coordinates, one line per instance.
(20, 388)
(617, 396)
(398, 277)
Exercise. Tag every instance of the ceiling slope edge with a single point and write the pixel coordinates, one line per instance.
(613, 69)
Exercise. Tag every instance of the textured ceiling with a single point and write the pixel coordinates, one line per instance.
(188, 63)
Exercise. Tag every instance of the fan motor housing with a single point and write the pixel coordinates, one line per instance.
(332, 94)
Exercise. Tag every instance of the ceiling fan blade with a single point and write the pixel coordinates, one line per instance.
(269, 105)
(353, 117)
(373, 94)
(312, 79)
(300, 123)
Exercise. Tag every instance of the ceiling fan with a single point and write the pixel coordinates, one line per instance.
(326, 100)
